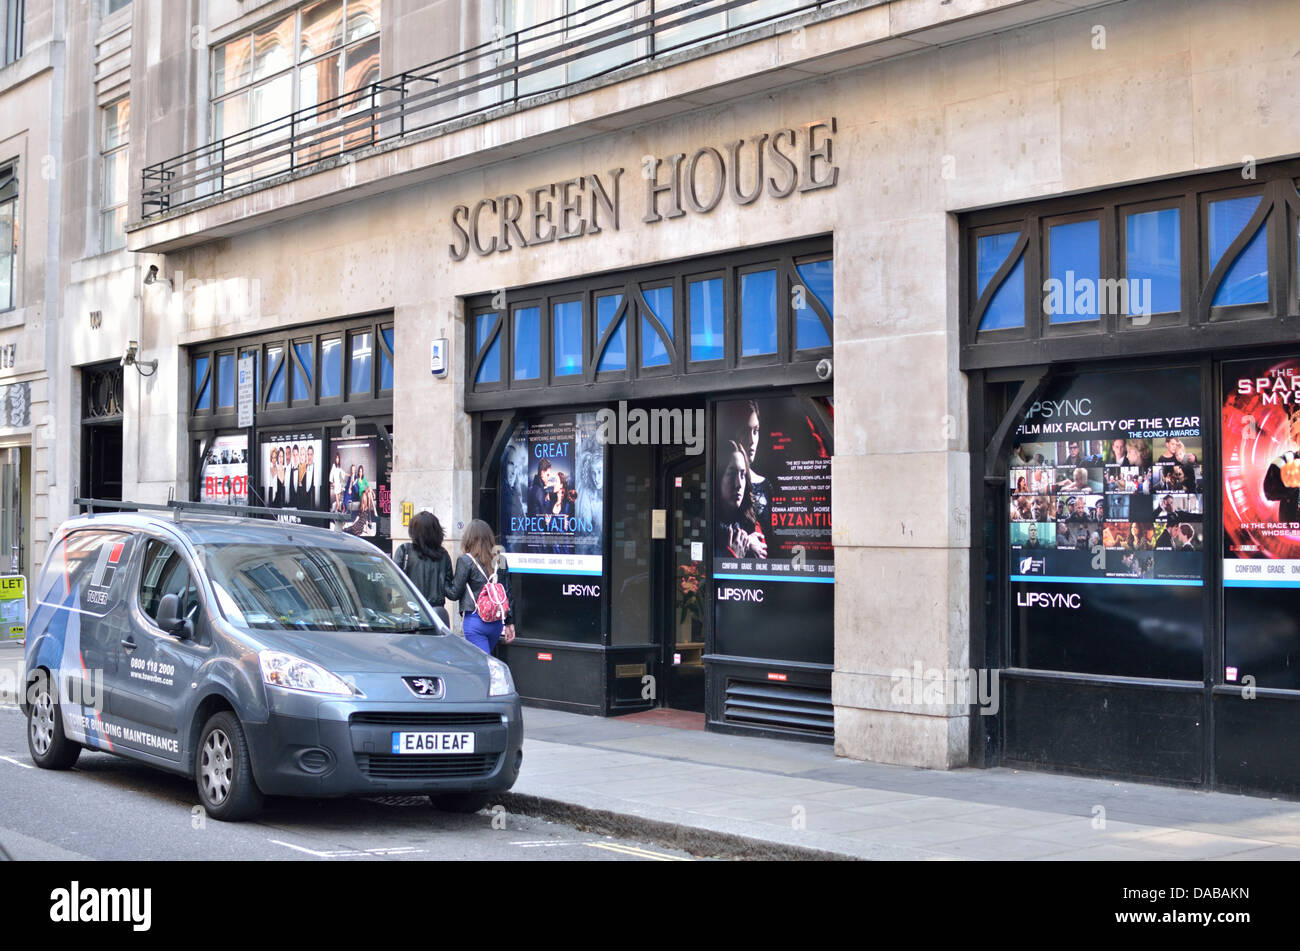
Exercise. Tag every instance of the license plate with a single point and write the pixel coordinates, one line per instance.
(425, 744)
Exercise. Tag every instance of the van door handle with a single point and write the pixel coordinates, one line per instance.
(128, 643)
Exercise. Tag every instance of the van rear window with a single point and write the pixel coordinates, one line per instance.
(86, 570)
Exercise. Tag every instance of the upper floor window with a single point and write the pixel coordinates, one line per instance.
(13, 30)
(112, 6)
(8, 242)
(320, 52)
(113, 163)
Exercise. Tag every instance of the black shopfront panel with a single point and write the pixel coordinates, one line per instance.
(1257, 697)
(1107, 600)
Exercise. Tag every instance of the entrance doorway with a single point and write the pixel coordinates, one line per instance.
(101, 432)
(685, 585)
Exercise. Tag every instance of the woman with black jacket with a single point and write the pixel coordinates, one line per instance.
(473, 568)
(426, 562)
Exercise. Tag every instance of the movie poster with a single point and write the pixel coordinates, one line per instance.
(1106, 525)
(223, 477)
(551, 524)
(773, 503)
(1261, 520)
(292, 476)
(552, 496)
(1261, 473)
(773, 552)
(357, 487)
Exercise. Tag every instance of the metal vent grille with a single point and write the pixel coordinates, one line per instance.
(779, 707)
(397, 766)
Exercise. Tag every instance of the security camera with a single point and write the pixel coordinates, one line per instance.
(131, 358)
(152, 278)
(824, 369)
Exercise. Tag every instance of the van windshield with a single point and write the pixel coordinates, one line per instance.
(287, 587)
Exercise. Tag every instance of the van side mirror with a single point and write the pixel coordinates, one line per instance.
(170, 620)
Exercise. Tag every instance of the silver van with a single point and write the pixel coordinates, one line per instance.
(261, 658)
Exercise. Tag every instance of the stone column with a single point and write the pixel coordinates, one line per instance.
(901, 499)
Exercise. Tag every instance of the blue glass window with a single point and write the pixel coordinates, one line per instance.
(757, 313)
(302, 375)
(528, 343)
(275, 361)
(331, 367)
(1074, 253)
(566, 318)
(818, 279)
(991, 251)
(385, 362)
(1153, 257)
(706, 319)
(653, 351)
(225, 380)
(489, 370)
(362, 346)
(257, 380)
(202, 387)
(615, 355)
(1007, 308)
(1247, 279)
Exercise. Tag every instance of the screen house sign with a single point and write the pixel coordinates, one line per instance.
(778, 163)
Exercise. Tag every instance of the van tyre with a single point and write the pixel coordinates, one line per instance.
(223, 770)
(49, 747)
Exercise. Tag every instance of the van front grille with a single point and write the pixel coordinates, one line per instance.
(451, 766)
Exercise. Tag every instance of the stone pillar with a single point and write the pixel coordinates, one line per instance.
(901, 498)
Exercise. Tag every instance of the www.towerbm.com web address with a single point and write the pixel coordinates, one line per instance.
(1203, 918)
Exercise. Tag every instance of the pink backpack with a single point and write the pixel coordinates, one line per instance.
(491, 604)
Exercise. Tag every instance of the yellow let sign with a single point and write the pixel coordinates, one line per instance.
(13, 606)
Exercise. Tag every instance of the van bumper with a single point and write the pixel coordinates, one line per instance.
(344, 748)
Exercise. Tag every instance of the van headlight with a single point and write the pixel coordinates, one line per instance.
(501, 682)
(294, 673)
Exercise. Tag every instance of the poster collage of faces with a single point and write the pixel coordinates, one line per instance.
(1120, 507)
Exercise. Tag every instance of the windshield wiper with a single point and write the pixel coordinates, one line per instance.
(436, 628)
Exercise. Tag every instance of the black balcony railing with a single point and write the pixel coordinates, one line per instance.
(598, 39)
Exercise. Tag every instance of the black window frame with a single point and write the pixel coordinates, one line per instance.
(1196, 326)
(290, 412)
(786, 366)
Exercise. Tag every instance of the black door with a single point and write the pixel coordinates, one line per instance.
(101, 461)
(685, 592)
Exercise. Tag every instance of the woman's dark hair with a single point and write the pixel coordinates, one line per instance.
(426, 534)
(478, 543)
(745, 512)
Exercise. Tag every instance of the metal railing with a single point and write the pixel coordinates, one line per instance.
(600, 38)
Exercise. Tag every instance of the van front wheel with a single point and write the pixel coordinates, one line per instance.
(223, 771)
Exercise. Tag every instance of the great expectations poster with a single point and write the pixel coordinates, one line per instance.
(552, 496)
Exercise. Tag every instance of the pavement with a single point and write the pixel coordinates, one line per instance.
(751, 797)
